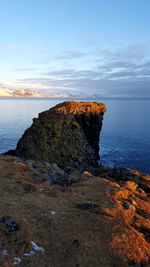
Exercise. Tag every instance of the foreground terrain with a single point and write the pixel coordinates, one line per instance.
(95, 221)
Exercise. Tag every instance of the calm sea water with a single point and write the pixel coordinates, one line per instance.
(125, 137)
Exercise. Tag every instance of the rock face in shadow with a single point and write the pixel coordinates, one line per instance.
(67, 134)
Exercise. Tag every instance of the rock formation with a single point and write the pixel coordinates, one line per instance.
(67, 134)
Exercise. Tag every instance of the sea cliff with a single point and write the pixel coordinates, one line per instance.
(60, 207)
(67, 135)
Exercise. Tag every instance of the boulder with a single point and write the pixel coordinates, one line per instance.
(67, 134)
(130, 185)
(10, 224)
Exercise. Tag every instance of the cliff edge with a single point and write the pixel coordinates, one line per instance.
(67, 134)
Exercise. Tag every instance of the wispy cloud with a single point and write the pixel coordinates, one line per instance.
(89, 41)
(71, 54)
(135, 52)
(16, 48)
(22, 48)
(60, 73)
(26, 70)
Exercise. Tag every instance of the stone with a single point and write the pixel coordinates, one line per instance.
(87, 174)
(120, 174)
(130, 185)
(10, 224)
(67, 134)
(121, 193)
(86, 206)
(126, 205)
(75, 176)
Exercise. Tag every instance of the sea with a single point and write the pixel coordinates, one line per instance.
(125, 135)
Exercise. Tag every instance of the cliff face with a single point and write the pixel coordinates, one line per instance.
(67, 134)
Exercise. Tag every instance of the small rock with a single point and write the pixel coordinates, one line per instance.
(86, 206)
(143, 213)
(5, 253)
(75, 176)
(37, 247)
(76, 243)
(10, 223)
(30, 253)
(121, 193)
(56, 169)
(146, 233)
(87, 174)
(131, 186)
(126, 205)
(17, 261)
(52, 212)
(141, 191)
(134, 203)
(120, 173)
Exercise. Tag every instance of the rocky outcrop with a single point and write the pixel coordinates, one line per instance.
(67, 134)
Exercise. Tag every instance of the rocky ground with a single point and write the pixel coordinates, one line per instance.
(86, 221)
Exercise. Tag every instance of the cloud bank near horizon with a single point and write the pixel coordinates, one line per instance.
(124, 71)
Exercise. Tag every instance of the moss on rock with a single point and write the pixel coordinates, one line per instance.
(67, 134)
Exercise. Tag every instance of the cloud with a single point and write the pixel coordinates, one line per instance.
(71, 54)
(60, 73)
(25, 69)
(134, 53)
(16, 48)
(110, 70)
(137, 52)
(124, 71)
(2, 84)
(71, 73)
(21, 48)
(118, 77)
(89, 40)
(105, 87)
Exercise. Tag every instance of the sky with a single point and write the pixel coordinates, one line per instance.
(76, 46)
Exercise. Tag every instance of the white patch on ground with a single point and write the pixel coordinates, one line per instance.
(37, 247)
(17, 261)
(52, 212)
(30, 253)
(55, 213)
(5, 253)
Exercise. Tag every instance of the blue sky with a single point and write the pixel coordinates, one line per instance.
(87, 46)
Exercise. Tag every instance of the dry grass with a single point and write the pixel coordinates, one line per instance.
(108, 235)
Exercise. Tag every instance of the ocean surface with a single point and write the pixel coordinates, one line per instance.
(125, 136)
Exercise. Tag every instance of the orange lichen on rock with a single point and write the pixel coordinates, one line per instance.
(121, 193)
(73, 107)
(130, 185)
(132, 245)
